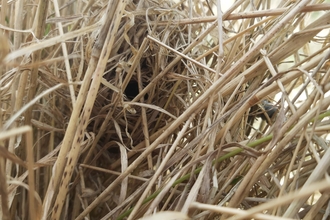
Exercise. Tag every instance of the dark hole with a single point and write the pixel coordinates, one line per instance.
(132, 90)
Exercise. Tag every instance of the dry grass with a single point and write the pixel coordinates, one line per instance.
(118, 109)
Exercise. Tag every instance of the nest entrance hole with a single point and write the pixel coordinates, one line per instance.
(132, 90)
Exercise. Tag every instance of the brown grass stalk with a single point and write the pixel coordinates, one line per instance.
(149, 109)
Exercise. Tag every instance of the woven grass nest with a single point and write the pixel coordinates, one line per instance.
(146, 109)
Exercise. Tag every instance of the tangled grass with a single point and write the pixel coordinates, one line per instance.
(120, 109)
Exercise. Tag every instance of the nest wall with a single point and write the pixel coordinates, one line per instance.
(118, 109)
